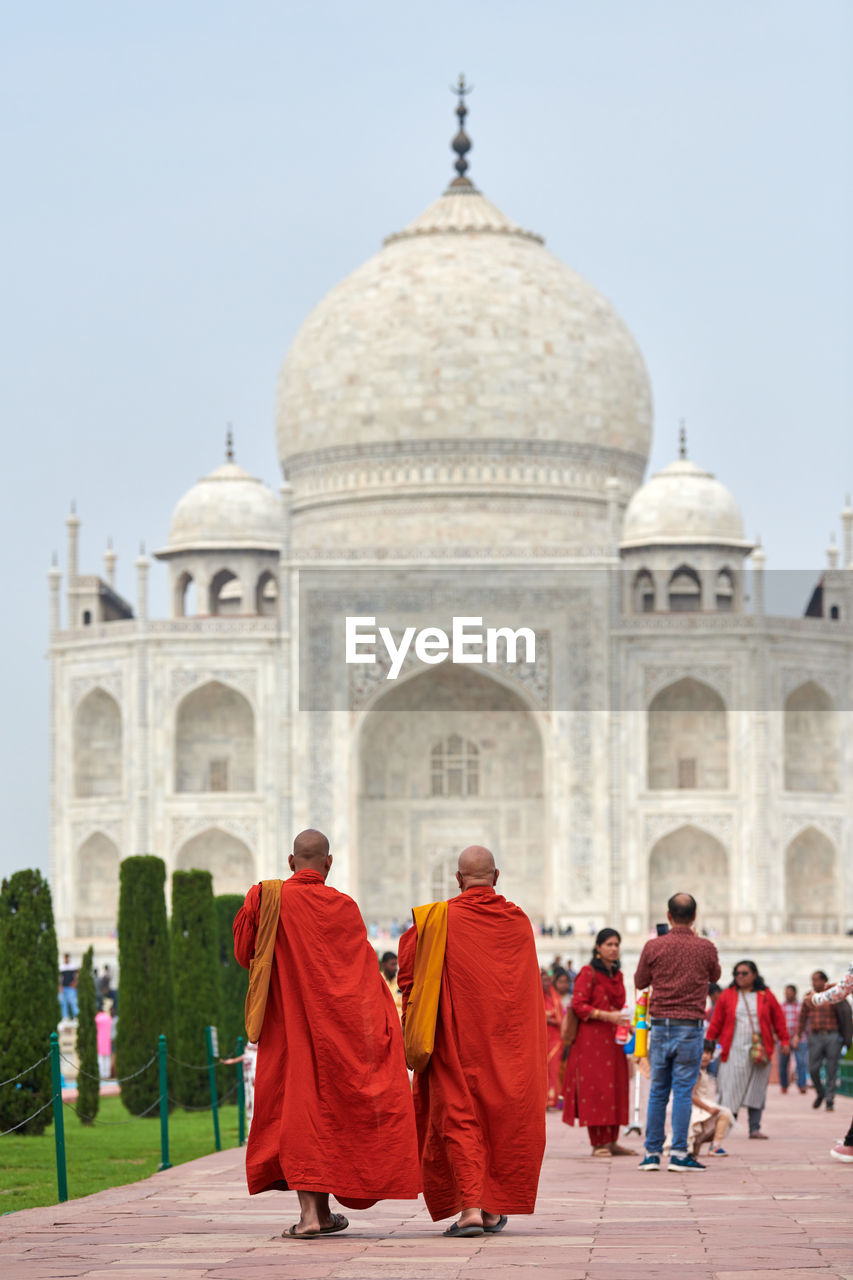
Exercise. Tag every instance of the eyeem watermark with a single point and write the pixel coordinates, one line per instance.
(465, 644)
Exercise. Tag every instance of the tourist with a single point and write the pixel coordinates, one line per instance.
(709, 1122)
(836, 995)
(823, 1024)
(67, 989)
(388, 969)
(333, 1107)
(746, 1019)
(480, 1098)
(679, 966)
(554, 1010)
(595, 1089)
(791, 1010)
(104, 1037)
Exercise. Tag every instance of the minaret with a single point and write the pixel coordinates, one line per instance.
(142, 566)
(759, 560)
(110, 558)
(72, 523)
(54, 578)
(832, 552)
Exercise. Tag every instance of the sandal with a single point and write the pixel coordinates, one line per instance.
(338, 1223)
(602, 1151)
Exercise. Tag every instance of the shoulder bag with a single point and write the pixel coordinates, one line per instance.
(571, 1022)
(757, 1053)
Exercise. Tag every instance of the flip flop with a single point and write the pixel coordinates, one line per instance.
(471, 1230)
(339, 1223)
(499, 1226)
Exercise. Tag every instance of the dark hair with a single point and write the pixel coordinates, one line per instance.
(559, 972)
(714, 988)
(759, 984)
(682, 908)
(389, 955)
(600, 938)
(819, 973)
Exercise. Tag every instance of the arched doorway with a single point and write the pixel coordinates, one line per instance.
(97, 746)
(228, 860)
(811, 740)
(688, 745)
(811, 884)
(215, 741)
(447, 759)
(690, 860)
(96, 887)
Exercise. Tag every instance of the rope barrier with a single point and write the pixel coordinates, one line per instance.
(120, 1080)
(49, 1103)
(24, 1073)
(129, 1120)
(190, 1066)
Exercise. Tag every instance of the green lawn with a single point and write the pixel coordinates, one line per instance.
(99, 1156)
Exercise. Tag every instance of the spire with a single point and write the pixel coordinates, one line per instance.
(682, 440)
(229, 444)
(461, 144)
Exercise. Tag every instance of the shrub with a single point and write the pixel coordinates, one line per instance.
(29, 1001)
(195, 956)
(233, 978)
(146, 1000)
(88, 1088)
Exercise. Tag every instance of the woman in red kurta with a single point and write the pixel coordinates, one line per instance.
(553, 990)
(595, 1088)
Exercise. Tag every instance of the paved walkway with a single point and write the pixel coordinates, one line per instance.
(771, 1211)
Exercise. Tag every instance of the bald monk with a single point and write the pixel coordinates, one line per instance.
(333, 1106)
(480, 1103)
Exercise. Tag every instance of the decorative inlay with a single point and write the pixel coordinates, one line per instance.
(793, 824)
(183, 829)
(718, 678)
(184, 678)
(657, 825)
(109, 681)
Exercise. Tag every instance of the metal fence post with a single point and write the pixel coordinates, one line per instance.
(212, 1042)
(164, 1105)
(58, 1118)
(241, 1096)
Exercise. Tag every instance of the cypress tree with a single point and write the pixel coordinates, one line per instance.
(233, 978)
(145, 975)
(195, 954)
(88, 1087)
(29, 1001)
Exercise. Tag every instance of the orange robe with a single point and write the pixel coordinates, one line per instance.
(480, 1103)
(333, 1106)
(554, 1045)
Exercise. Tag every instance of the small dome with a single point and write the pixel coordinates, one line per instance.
(683, 504)
(227, 510)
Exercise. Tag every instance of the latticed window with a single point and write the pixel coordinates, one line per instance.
(455, 767)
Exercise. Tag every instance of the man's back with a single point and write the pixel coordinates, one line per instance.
(480, 1104)
(679, 965)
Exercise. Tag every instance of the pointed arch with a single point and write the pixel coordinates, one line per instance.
(97, 746)
(687, 738)
(185, 602)
(225, 594)
(684, 591)
(812, 748)
(266, 595)
(229, 861)
(690, 860)
(96, 887)
(644, 592)
(214, 740)
(724, 591)
(811, 883)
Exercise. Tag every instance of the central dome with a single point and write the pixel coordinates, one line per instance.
(463, 327)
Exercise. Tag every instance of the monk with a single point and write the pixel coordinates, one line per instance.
(333, 1106)
(480, 1101)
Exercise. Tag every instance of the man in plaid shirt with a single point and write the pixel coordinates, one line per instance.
(824, 1032)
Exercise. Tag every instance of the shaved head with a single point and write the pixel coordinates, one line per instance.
(311, 853)
(476, 868)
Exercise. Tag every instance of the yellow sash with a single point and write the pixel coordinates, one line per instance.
(422, 1009)
(260, 966)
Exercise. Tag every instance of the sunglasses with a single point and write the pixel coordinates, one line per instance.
(743, 973)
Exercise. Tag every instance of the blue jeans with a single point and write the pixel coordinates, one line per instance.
(675, 1055)
(68, 1002)
(801, 1057)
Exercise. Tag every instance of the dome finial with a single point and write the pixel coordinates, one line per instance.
(461, 144)
(682, 439)
(229, 444)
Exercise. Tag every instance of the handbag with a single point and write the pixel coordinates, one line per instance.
(757, 1054)
(571, 1022)
(260, 966)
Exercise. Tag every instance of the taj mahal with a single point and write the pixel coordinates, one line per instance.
(463, 426)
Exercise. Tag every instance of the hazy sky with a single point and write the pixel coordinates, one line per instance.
(184, 181)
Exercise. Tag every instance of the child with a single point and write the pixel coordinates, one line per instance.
(708, 1121)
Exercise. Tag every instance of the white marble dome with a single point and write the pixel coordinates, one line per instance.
(465, 328)
(228, 509)
(683, 504)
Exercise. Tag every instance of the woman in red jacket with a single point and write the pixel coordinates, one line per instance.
(595, 1088)
(745, 1020)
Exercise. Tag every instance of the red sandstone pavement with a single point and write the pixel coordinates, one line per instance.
(771, 1211)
